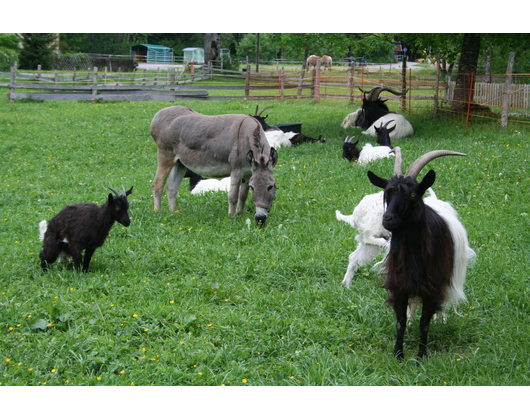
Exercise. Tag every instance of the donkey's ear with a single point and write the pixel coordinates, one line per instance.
(129, 191)
(377, 181)
(273, 158)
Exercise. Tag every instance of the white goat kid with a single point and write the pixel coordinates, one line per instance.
(372, 237)
(370, 153)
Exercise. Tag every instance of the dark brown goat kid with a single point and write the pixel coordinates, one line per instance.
(81, 227)
(421, 258)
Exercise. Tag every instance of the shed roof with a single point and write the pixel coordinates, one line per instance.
(153, 47)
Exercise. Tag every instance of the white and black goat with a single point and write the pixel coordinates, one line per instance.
(367, 218)
(370, 153)
(277, 137)
(374, 113)
(428, 251)
(81, 227)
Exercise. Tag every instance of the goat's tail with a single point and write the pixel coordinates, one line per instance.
(42, 229)
(343, 218)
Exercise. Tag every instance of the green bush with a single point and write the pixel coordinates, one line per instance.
(7, 58)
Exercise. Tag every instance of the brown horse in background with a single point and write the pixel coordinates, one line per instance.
(325, 60)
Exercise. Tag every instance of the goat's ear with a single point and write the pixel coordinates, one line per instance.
(377, 181)
(391, 129)
(129, 191)
(426, 182)
(111, 198)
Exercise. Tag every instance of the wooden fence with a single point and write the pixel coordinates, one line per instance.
(173, 84)
(492, 94)
(168, 85)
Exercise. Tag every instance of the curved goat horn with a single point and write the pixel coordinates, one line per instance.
(114, 191)
(386, 125)
(423, 160)
(348, 140)
(397, 165)
(124, 193)
(261, 112)
(373, 95)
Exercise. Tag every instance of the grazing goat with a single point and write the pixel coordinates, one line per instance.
(374, 113)
(81, 227)
(427, 257)
(370, 153)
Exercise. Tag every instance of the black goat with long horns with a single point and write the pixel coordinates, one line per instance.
(81, 227)
(423, 259)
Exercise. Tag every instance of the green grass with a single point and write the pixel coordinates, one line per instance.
(195, 298)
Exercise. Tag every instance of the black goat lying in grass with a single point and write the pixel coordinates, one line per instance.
(81, 227)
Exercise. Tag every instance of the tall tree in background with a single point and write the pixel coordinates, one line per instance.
(469, 46)
(212, 47)
(37, 49)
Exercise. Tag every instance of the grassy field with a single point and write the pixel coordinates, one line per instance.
(195, 298)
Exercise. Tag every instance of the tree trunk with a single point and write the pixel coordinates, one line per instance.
(507, 90)
(468, 64)
(212, 47)
(489, 57)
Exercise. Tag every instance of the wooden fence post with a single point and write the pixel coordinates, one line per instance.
(38, 73)
(247, 83)
(13, 81)
(281, 80)
(507, 90)
(351, 82)
(94, 83)
(317, 80)
(301, 83)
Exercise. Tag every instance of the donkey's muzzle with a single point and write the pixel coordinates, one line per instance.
(261, 216)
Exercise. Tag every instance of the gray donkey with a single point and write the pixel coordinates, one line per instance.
(214, 147)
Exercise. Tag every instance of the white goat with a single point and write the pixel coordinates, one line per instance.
(212, 184)
(370, 153)
(277, 138)
(372, 237)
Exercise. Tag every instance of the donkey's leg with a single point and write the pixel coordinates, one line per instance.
(233, 194)
(243, 194)
(165, 163)
(175, 178)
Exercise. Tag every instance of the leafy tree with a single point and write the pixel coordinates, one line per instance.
(469, 47)
(268, 49)
(10, 41)
(375, 48)
(37, 49)
(9, 49)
